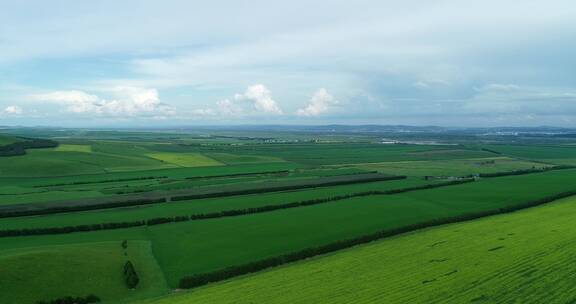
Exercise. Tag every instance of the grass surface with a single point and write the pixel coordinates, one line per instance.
(522, 257)
(49, 272)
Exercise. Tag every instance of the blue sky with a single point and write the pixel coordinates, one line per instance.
(168, 63)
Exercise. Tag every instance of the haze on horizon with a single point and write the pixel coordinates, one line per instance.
(176, 62)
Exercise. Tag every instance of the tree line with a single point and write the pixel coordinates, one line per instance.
(72, 300)
(233, 271)
(213, 215)
(19, 148)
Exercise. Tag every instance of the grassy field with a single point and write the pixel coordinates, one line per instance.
(94, 268)
(523, 257)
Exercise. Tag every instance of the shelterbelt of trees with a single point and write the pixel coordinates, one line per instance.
(20, 147)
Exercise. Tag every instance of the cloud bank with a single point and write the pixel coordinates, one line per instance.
(126, 101)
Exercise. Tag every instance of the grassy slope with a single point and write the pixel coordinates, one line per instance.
(77, 270)
(522, 257)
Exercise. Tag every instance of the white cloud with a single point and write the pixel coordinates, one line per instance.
(261, 98)
(319, 103)
(12, 110)
(257, 99)
(126, 101)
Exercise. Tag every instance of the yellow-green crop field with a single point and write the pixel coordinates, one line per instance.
(186, 159)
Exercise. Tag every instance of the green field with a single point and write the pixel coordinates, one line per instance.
(523, 257)
(197, 206)
(74, 148)
(92, 268)
(546, 153)
(185, 159)
(256, 195)
(200, 246)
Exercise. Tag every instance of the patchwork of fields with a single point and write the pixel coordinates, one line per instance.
(522, 257)
(182, 207)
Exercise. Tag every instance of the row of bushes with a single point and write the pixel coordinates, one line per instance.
(313, 184)
(72, 300)
(491, 151)
(220, 214)
(102, 181)
(19, 148)
(526, 171)
(87, 207)
(226, 273)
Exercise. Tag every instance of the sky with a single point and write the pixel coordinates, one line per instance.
(220, 62)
